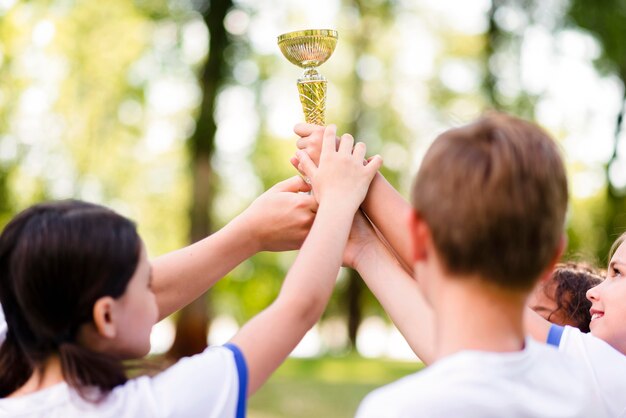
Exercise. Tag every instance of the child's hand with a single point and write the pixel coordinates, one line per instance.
(310, 141)
(362, 235)
(280, 219)
(342, 176)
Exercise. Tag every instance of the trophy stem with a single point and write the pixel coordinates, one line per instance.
(313, 99)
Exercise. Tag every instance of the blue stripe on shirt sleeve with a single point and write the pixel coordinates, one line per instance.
(242, 371)
(555, 334)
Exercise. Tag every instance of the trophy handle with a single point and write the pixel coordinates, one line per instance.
(313, 99)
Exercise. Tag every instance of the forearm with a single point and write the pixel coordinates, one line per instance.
(400, 296)
(181, 276)
(302, 299)
(320, 256)
(389, 212)
(535, 326)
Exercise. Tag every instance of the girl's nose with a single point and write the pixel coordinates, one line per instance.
(592, 294)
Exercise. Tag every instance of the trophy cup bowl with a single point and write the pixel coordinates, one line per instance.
(309, 49)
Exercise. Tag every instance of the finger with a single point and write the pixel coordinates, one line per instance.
(329, 143)
(295, 162)
(359, 151)
(302, 143)
(292, 184)
(306, 165)
(306, 129)
(374, 163)
(346, 143)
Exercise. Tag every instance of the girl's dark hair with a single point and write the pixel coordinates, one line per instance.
(56, 260)
(572, 281)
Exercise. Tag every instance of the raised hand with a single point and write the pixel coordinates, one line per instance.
(280, 219)
(341, 176)
(384, 206)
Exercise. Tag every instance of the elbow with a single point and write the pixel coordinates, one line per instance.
(304, 310)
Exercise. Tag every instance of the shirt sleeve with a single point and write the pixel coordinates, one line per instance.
(210, 384)
(242, 373)
(554, 335)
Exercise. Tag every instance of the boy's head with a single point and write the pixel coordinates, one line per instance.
(562, 298)
(493, 195)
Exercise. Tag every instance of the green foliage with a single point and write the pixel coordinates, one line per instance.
(81, 61)
(606, 20)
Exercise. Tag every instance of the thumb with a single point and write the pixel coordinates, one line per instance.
(293, 184)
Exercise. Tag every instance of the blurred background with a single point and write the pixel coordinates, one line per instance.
(178, 113)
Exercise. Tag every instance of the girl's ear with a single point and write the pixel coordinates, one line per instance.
(103, 317)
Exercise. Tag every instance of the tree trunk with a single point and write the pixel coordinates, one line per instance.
(351, 297)
(493, 38)
(353, 304)
(193, 321)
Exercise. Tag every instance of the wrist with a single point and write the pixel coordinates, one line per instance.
(245, 234)
(339, 202)
(338, 210)
(376, 181)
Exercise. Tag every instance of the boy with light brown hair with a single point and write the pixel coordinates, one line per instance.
(486, 224)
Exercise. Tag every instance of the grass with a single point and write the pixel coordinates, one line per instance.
(327, 387)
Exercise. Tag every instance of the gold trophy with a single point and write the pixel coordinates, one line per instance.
(309, 49)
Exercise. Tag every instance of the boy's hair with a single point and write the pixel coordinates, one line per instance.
(494, 195)
(56, 260)
(571, 282)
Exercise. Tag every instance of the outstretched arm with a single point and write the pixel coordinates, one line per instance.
(397, 292)
(536, 326)
(384, 206)
(339, 184)
(277, 220)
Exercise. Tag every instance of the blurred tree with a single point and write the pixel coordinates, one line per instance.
(606, 21)
(192, 321)
(502, 58)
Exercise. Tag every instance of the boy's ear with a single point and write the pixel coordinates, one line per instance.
(103, 317)
(418, 231)
(547, 273)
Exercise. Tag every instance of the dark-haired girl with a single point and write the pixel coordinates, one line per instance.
(76, 288)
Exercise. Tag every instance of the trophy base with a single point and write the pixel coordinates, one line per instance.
(313, 99)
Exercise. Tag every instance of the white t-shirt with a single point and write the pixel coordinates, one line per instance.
(212, 384)
(535, 382)
(603, 365)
